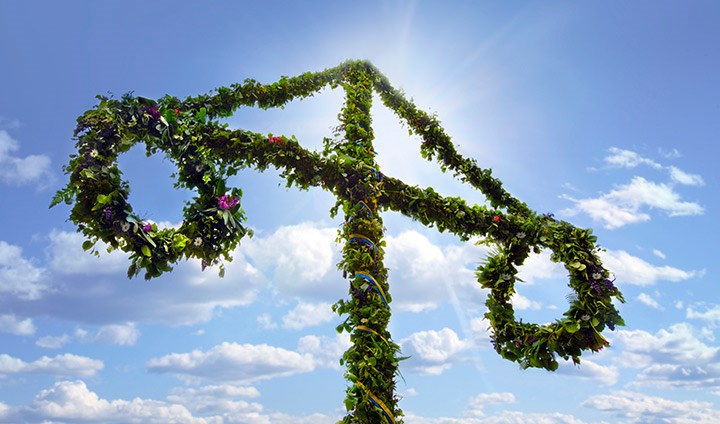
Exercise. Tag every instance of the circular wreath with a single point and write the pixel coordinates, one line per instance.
(591, 308)
(212, 220)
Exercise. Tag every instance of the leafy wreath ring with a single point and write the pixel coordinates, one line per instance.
(206, 154)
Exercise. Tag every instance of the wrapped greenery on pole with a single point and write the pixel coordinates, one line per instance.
(207, 153)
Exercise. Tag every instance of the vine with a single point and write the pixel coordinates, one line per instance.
(207, 153)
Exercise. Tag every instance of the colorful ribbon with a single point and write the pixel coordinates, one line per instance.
(363, 204)
(370, 330)
(374, 283)
(378, 403)
(362, 239)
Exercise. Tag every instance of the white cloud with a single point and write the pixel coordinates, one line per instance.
(18, 276)
(521, 302)
(72, 401)
(21, 170)
(659, 254)
(21, 327)
(233, 362)
(624, 205)
(116, 334)
(671, 358)
(628, 159)
(589, 370)
(504, 417)
(325, 351)
(220, 401)
(681, 177)
(424, 275)
(434, 351)
(67, 256)
(477, 404)
(642, 408)
(53, 342)
(307, 315)
(710, 314)
(265, 320)
(299, 258)
(81, 293)
(61, 365)
(630, 269)
(648, 300)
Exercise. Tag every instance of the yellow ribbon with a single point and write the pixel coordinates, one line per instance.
(386, 411)
(366, 275)
(370, 330)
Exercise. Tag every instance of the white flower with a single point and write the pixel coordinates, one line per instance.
(197, 241)
(597, 276)
(506, 277)
(521, 235)
(585, 317)
(125, 226)
(364, 321)
(93, 153)
(198, 168)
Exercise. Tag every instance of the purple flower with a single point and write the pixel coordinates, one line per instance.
(147, 228)
(153, 111)
(108, 213)
(226, 202)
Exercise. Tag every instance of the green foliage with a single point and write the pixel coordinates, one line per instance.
(207, 153)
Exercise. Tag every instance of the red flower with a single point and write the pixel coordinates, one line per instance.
(496, 218)
(274, 139)
(177, 111)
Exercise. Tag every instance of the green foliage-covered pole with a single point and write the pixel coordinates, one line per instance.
(371, 361)
(207, 153)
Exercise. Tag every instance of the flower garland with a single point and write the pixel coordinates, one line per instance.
(207, 153)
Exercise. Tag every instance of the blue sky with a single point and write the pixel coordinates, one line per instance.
(607, 116)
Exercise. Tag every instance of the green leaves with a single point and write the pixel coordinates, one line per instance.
(207, 154)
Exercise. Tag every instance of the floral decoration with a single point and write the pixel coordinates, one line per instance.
(207, 153)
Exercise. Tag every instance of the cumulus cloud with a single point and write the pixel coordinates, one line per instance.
(72, 401)
(630, 203)
(233, 362)
(675, 357)
(116, 334)
(61, 365)
(21, 327)
(630, 269)
(96, 291)
(424, 275)
(641, 408)
(53, 342)
(710, 314)
(477, 404)
(504, 417)
(626, 203)
(18, 276)
(300, 259)
(432, 352)
(220, 401)
(307, 315)
(325, 351)
(18, 170)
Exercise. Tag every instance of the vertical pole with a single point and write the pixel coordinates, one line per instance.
(372, 360)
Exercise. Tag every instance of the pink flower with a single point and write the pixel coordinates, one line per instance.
(275, 139)
(176, 111)
(147, 228)
(496, 218)
(225, 202)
